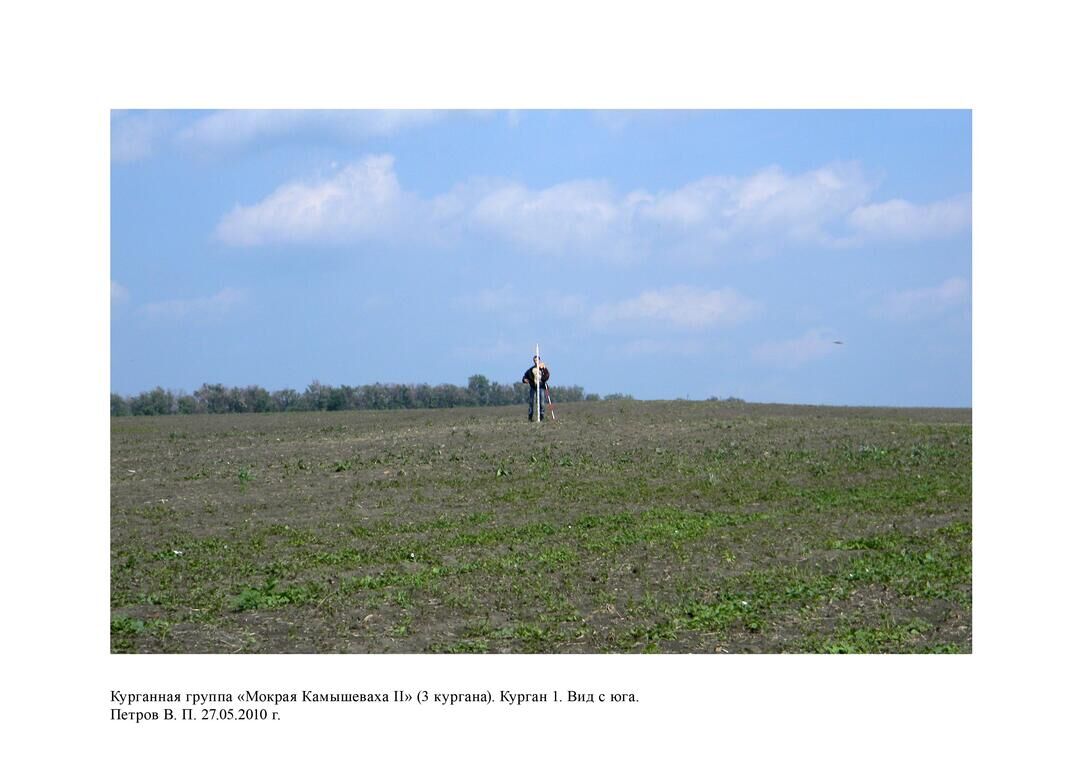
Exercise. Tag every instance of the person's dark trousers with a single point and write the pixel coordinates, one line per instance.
(532, 403)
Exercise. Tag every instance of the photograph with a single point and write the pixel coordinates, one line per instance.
(540, 381)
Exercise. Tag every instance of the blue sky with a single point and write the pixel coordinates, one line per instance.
(662, 254)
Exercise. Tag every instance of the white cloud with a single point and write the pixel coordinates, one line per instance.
(799, 207)
(588, 216)
(705, 201)
(362, 201)
(233, 129)
(681, 307)
(200, 307)
(915, 304)
(136, 135)
(761, 212)
(792, 353)
(899, 219)
(575, 215)
(118, 293)
(803, 204)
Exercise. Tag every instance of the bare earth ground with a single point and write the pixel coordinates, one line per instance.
(620, 527)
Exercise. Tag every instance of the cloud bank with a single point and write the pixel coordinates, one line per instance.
(226, 130)
(899, 219)
(139, 135)
(363, 202)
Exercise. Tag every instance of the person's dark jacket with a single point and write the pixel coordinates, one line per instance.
(527, 377)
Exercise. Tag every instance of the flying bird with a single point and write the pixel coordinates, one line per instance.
(837, 341)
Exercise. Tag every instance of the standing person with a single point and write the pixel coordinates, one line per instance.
(537, 369)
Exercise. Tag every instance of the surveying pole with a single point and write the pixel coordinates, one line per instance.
(537, 377)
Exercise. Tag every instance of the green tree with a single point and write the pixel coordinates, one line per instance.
(257, 399)
(119, 406)
(337, 399)
(213, 398)
(285, 399)
(156, 402)
(316, 396)
(479, 389)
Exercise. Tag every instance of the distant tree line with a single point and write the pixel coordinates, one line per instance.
(217, 398)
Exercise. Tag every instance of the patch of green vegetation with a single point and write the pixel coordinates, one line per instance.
(943, 648)
(935, 566)
(402, 629)
(533, 638)
(272, 596)
(925, 567)
(126, 632)
(130, 626)
(889, 639)
(462, 646)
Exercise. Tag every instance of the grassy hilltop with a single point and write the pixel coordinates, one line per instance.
(621, 527)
